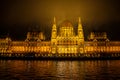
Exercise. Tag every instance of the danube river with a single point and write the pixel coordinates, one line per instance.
(59, 70)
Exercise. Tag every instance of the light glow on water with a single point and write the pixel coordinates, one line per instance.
(59, 70)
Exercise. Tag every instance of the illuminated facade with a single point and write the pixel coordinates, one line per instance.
(64, 41)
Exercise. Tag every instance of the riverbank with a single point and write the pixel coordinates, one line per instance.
(45, 56)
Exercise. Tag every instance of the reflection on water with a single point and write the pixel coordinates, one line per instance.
(59, 70)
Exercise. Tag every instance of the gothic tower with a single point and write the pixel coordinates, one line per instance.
(54, 29)
(80, 31)
(80, 37)
(53, 36)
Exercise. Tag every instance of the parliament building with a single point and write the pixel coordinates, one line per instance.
(64, 41)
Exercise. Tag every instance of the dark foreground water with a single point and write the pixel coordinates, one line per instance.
(59, 70)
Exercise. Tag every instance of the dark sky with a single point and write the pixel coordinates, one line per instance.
(18, 16)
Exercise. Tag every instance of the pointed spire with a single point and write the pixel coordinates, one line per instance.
(79, 21)
(54, 20)
(80, 30)
(54, 29)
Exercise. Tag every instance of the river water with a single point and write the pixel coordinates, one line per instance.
(59, 70)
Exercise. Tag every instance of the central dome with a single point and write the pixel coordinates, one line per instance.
(66, 23)
(66, 29)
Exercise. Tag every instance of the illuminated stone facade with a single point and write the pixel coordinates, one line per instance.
(64, 41)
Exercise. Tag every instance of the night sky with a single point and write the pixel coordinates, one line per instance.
(19, 16)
